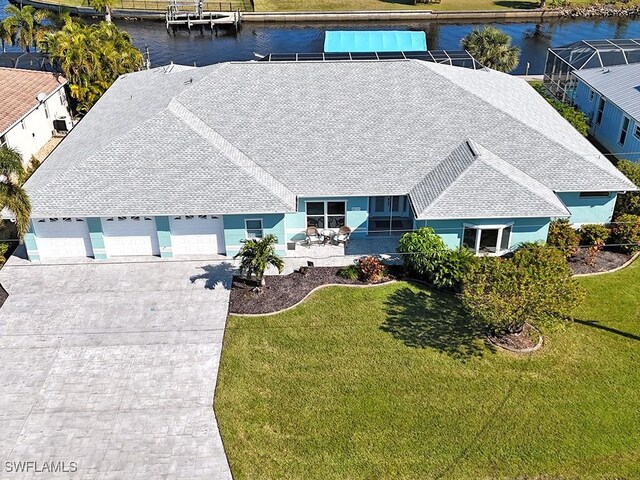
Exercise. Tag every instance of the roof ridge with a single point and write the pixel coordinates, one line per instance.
(491, 159)
(499, 107)
(466, 144)
(232, 152)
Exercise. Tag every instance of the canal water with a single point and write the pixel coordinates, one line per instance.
(533, 38)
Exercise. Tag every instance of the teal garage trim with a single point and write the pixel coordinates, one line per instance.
(238, 228)
(97, 238)
(164, 236)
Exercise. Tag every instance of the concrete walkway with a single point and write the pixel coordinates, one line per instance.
(112, 366)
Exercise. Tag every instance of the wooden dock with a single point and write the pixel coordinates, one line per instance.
(176, 17)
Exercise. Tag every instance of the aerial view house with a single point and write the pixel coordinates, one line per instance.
(610, 97)
(179, 160)
(33, 105)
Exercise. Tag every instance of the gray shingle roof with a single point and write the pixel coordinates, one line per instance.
(248, 137)
(620, 84)
(474, 183)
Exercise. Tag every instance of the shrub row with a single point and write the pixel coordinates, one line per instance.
(623, 233)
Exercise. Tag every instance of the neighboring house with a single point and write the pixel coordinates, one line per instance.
(175, 161)
(562, 62)
(30, 103)
(610, 97)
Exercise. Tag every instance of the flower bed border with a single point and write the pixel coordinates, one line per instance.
(624, 265)
(535, 348)
(291, 307)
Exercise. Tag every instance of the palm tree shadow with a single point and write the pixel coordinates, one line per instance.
(216, 276)
(434, 320)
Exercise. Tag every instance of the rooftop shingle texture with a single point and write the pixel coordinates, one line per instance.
(305, 129)
(620, 84)
(18, 92)
(474, 183)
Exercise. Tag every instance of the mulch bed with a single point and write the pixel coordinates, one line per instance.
(526, 339)
(605, 260)
(282, 291)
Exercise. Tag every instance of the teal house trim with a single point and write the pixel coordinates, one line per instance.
(31, 245)
(235, 230)
(522, 229)
(97, 238)
(356, 213)
(164, 236)
(589, 209)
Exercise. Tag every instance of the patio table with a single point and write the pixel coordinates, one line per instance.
(327, 235)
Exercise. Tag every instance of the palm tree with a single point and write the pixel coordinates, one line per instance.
(256, 255)
(91, 58)
(492, 48)
(5, 35)
(12, 195)
(104, 6)
(21, 24)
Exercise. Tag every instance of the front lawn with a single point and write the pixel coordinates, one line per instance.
(392, 382)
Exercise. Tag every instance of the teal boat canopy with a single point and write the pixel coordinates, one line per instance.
(344, 41)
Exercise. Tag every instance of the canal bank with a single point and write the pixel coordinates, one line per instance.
(332, 16)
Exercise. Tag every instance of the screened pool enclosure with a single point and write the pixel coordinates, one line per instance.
(562, 61)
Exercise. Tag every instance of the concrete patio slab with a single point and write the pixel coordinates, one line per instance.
(112, 366)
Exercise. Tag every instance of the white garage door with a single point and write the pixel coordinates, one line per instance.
(197, 235)
(62, 237)
(125, 236)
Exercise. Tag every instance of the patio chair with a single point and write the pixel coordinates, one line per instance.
(343, 235)
(313, 236)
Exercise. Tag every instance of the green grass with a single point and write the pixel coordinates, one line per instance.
(392, 382)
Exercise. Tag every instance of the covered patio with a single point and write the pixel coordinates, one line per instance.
(330, 255)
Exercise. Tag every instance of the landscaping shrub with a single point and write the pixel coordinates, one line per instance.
(534, 286)
(256, 255)
(629, 203)
(350, 272)
(371, 268)
(626, 232)
(594, 234)
(563, 237)
(575, 117)
(426, 257)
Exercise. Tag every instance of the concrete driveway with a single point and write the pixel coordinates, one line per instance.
(110, 369)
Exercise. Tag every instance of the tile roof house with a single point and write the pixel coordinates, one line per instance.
(176, 161)
(30, 102)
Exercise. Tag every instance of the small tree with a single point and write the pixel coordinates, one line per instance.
(626, 232)
(256, 255)
(563, 236)
(629, 203)
(492, 48)
(535, 287)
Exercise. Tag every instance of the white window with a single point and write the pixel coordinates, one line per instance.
(254, 228)
(487, 239)
(636, 132)
(623, 131)
(46, 110)
(326, 214)
(591, 94)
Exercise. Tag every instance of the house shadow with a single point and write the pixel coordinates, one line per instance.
(218, 275)
(433, 320)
